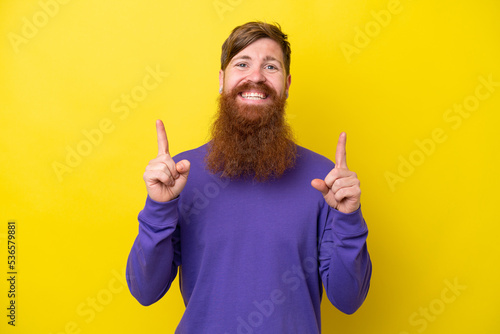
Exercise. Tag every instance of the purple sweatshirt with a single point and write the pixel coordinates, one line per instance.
(252, 257)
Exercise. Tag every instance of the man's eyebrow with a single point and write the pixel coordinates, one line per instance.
(242, 57)
(266, 58)
(271, 58)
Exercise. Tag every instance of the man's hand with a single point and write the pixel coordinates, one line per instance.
(164, 178)
(340, 188)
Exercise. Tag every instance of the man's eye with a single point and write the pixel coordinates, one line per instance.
(271, 67)
(241, 65)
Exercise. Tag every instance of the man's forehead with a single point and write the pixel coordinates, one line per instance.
(271, 51)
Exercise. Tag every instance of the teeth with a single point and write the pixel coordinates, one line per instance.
(253, 96)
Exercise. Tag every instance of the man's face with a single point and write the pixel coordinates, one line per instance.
(255, 69)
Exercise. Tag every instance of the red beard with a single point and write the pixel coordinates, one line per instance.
(251, 140)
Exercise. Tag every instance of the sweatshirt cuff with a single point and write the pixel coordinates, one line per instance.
(161, 214)
(349, 223)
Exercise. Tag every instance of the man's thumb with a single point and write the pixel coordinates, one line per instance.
(320, 185)
(183, 167)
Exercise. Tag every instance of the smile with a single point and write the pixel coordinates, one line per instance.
(253, 96)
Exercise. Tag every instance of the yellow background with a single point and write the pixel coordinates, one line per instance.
(437, 224)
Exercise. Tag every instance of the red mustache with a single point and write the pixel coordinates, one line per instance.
(259, 86)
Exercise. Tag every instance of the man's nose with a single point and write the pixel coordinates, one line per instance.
(256, 75)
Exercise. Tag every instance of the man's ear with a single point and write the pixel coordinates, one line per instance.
(221, 80)
(287, 84)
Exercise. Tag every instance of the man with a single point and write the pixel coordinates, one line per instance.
(254, 223)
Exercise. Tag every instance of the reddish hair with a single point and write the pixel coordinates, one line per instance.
(251, 141)
(244, 35)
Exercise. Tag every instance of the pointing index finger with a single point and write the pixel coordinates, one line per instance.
(162, 138)
(340, 155)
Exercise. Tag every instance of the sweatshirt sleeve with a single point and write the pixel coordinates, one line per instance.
(344, 263)
(155, 255)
